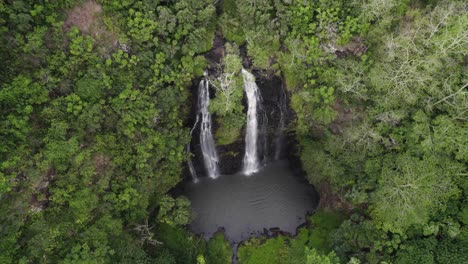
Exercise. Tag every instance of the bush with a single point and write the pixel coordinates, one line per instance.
(183, 245)
(256, 252)
(323, 223)
(218, 250)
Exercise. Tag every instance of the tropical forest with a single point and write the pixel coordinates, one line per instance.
(234, 131)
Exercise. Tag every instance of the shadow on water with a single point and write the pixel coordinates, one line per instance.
(270, 201)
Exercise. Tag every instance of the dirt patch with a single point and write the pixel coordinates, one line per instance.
(354, 47)
(102, 164)
(345, 116)
(331, 200)
(84, 17)
(88, 18)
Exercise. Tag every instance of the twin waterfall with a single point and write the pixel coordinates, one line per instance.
(251, 162)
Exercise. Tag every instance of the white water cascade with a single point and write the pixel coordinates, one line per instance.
(208, 148)
(251, 161)
(210, 156)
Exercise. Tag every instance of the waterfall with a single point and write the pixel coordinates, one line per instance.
(208, 148)
(210, 156)
(251, 163)
(281, 127)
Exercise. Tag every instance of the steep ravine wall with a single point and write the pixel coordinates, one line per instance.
(231, 155)
(272, 88)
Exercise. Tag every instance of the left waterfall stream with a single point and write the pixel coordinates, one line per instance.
(207, 144)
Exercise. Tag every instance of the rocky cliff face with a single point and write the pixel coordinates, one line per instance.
(273, 129)
(273, 142)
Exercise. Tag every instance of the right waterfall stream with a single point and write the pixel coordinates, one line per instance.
(251, 161)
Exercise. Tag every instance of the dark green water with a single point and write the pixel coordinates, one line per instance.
(247, 205)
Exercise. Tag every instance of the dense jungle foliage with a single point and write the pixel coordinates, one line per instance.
(95, 98)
